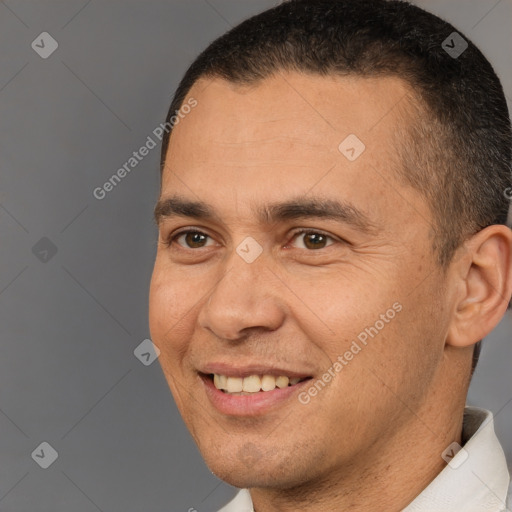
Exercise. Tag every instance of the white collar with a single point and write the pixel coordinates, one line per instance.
(478, 484)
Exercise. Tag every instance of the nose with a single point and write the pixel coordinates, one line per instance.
(245, 297)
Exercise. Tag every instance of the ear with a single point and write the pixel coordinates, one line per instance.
(484, 278)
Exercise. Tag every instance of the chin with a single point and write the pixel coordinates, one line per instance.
(243, 480)
(247, 467)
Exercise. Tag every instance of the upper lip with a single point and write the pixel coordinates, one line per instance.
(247, 370)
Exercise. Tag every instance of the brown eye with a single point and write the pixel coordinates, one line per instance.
(313, 240)
(193, 239)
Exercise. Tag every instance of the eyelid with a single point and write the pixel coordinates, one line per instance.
(302, 231)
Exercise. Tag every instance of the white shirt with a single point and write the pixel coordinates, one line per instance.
(475, 480)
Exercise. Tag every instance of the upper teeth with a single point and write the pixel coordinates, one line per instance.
(252, 383)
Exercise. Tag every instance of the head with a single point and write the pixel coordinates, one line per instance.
(351, 122)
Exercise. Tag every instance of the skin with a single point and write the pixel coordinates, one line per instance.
(372, 439)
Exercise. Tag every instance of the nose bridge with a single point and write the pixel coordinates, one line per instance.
(242, 297)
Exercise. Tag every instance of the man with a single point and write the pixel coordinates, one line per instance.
(332, 247)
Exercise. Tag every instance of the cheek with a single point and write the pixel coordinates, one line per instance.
(169, 330)
(340, 309)
(170, 310)
(401, 360)
(383, 333)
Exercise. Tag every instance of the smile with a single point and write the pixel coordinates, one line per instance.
(251, 395)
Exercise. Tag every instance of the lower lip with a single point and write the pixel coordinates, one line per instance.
(249, 405)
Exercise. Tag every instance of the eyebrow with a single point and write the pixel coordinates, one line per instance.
(271, 213)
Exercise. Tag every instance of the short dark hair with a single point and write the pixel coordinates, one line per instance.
(456, 150)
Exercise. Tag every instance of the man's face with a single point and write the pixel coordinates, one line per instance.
(219, 305)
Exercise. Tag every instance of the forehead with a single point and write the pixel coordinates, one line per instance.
(289, 112)
(290, 134)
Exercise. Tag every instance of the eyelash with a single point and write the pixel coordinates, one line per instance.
(169, 241)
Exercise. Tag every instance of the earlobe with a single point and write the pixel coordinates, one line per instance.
(485, 275)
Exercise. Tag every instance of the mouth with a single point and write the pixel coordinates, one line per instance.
(252, 394)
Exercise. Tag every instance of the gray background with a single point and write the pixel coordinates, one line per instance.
(69, 325)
